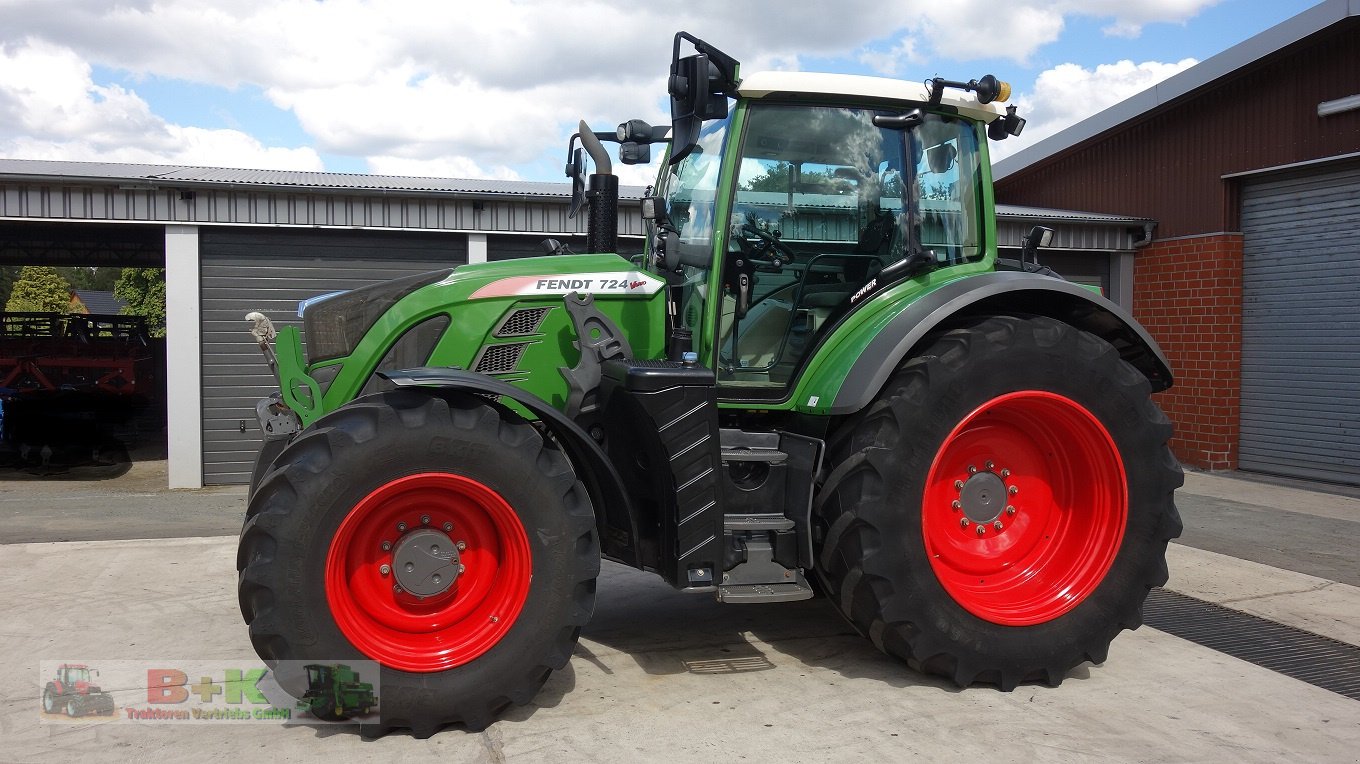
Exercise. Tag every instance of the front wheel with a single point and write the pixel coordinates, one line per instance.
(1001, 511)
(51, 700)
(441, 536)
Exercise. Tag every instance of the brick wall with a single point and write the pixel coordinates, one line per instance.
(1188, 293)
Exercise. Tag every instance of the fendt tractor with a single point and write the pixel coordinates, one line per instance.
(818, 376)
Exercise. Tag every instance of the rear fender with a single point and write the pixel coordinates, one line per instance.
(997, 293)
(615, 515)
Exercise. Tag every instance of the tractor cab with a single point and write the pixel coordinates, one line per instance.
(73, 676)
(831, 203)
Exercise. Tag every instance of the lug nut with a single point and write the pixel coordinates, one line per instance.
(396, 588)
(982, 530)
(997, 525)
(1005, 473)
(963, 522)
(956, 504)
(495, 619)
(401, 526)
(972, 470)
(958, 485)
(424, 519)
(990, 464)
(1010, 510)
(461, 568)
(462, 545)
(387, 546)
(385, 570)
(1012, 490)
(448, 527)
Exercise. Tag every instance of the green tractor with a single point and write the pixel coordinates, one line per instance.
(818, 376)
(335, 693)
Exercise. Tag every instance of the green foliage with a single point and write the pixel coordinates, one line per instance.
(97, 279)
(39, 289)
(143, 289)
(8, 275)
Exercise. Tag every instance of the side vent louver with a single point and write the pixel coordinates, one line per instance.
(522, 322)
(499, 359)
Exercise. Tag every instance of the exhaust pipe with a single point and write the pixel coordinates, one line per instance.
(602, 228)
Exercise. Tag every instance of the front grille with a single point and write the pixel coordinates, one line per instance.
(522, 322)
(499, 359)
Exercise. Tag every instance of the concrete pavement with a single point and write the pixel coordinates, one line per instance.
(664, 676)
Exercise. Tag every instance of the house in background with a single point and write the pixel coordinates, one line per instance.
(1249, 163)
(95, 302)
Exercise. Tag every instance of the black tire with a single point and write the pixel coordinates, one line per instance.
(376, 440)
(52, 700)
(73, 708)
(264, 461)
(326, 711)
(870, 519)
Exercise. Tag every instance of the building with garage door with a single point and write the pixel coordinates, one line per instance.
(1249, 163)
(234, 241)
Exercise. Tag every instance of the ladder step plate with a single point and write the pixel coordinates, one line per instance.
(747, 593)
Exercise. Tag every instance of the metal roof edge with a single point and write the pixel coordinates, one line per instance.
(1073, 216)
(164, 178)
(1286, 33)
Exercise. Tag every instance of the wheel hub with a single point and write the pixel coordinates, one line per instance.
(983, 497)
(425, 562)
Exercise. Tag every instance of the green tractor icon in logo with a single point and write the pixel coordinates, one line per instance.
(334, 693)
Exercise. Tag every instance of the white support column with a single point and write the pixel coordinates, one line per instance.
(183, 358)
(476, 247)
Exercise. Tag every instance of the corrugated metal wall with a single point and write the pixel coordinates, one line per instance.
(270, 270)
(1301, 326)
(1168, 165)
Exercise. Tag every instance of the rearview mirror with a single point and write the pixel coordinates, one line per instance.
(941, 157)
(576, 170)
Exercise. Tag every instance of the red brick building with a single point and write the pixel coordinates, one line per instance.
(1250, 279)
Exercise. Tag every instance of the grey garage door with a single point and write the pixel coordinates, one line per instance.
(1301, 326)
(270, 271)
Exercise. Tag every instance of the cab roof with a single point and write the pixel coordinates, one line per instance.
(766, 84)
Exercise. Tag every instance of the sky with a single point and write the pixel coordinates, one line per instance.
(494, 88)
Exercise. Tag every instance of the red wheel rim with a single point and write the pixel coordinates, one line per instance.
(449, 629)
(1053, 476)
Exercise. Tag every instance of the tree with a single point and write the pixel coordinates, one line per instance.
(39, 289)
(96, 278)
(143, 289)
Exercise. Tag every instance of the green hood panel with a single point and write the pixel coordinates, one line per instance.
(505, 319)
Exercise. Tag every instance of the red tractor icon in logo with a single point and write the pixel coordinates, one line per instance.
(71, 692)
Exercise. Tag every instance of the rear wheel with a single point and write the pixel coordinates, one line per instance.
(442, 537)
(1001, 511)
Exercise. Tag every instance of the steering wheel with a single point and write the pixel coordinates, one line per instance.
(768, 250)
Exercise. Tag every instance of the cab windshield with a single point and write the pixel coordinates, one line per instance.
(824, 202)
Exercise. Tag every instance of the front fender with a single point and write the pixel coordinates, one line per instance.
(615, 515)
(997, 293)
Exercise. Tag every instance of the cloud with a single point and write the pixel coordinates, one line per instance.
(490, 85)
(50, 108)
(1069, 93)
